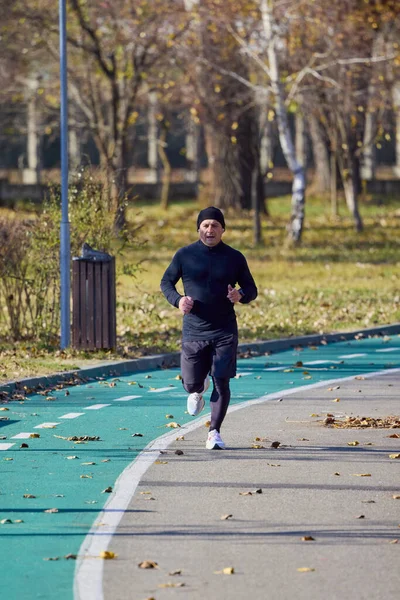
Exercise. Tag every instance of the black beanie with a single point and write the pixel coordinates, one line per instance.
(210, 213)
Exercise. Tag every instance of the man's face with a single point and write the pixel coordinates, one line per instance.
(210, 232)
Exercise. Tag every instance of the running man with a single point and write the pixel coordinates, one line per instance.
(209, 270)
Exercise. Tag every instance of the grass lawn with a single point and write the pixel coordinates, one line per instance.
(336, 280)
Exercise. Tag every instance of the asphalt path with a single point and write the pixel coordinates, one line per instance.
(63, 496)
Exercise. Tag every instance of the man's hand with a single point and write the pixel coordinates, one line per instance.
(233, 294)
(186, 304)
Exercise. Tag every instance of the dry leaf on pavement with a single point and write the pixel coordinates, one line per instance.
(148, 564)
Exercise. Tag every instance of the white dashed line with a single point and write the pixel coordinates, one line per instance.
(164, 389)
(22, 436)
(352, 355)
(46, 425)
(6, 446)
(72, 415)
(318, 362)
(97, 406)
(126, 398)
(388, 350)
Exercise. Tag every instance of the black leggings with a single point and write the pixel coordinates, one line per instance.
(219, 400)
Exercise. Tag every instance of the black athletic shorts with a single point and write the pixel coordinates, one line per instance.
(217, 357)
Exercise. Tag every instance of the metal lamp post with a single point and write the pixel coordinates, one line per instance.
(65, 250)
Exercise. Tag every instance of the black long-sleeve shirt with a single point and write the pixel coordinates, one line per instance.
(205, 273)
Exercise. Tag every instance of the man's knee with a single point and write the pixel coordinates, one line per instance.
(191, 388)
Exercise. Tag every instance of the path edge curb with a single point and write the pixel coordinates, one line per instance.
(165, 361)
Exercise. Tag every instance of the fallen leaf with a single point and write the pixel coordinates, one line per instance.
(305, 569)
(396, 497)
(275, 444)
(5, 521)
(226, 517)
(394, 435)
(160, 462)
(169, 416)
(355, 443)
(362, 474)
(273, 465)
(225, 571)
(173, 425)
(308, 538)
(207, 424)
(71, 457)
(338, 474)
(148, 564)
(360, 517)
(71, 556)
(28, 496)
(137, 434)
(108, 490)
(88, 463)
(180, 438)
(52, 558)
(258, 446)
(245, 493)
(394, 541)
(170, 584)
(177, 572)
(394, 455)
(34, 435)
(359, 377)
(51, 510)
(179, 452)
(86, 477)
(107, 554)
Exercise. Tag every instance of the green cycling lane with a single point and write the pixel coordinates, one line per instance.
(52, 488)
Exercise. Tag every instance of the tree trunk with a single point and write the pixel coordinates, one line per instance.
(300, 139)
(351, 186)
(295, 227)
(321, 183)
(369, 154)
(396, 107)
(193, 152)
(152, 138)
(255, 201)
(223, 187)
(166, 177)
(32, 173)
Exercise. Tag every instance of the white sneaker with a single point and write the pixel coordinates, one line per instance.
(195, 404)
(214, 441)
(195, 401)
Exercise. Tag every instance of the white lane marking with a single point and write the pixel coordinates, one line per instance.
(244, 374)
(72, 415)
(276, 368)
(21, 436)
(126, 398)
(388, 350)
(352, 355)
(46, 425)
(6, 446)
(164, 389)
(319, 362)
(88, 578)
(97, 406)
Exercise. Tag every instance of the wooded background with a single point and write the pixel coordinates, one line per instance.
(225, 90)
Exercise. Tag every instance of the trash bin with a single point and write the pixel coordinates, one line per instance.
(93, 300)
